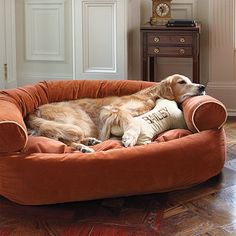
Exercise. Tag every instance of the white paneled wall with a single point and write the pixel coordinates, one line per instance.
(184, 9)
(180, 9)
(100, 39)
(222, 81)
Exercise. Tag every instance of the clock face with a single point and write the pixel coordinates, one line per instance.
(162, 9)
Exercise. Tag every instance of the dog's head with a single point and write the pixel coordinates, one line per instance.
(179, 87)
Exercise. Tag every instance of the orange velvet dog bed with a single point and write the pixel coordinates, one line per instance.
(37, 170)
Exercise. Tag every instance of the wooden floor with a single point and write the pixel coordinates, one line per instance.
(207, 209)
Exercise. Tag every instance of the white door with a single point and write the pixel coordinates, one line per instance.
(100, 39)
(70, 39)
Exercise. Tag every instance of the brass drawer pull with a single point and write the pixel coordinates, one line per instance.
(156, 50)
(156, 39)
(182, 40)
(182, 51)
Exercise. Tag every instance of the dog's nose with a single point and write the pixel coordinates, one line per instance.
(201, 88)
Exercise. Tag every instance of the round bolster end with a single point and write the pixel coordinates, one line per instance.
(204, 113)
(13, 136)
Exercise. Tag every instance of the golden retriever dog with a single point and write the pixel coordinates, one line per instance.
(78, 123)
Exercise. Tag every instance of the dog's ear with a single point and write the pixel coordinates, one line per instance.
(166, 90)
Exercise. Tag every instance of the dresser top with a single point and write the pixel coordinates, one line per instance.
(148, 26)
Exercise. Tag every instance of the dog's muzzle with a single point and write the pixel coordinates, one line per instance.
(201, 88)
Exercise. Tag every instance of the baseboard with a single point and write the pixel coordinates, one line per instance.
(231, 112)
(225, 92)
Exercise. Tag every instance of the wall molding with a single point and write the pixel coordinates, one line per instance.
(231, 112)
(180, 9)
(222, 83)
(44, 27)
(184, 6)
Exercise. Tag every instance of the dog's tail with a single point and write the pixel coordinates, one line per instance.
(111, 115)
(53, 129)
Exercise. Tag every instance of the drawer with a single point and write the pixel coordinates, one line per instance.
(170, 51)
(169, 39)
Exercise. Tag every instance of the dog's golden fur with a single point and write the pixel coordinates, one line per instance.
(79, 123)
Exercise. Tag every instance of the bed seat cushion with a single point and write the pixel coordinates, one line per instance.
(46, 178)
(37, 144)
(171, 135)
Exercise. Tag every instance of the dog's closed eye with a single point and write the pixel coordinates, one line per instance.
(182, 82)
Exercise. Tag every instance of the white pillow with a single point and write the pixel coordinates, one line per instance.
(164, 116)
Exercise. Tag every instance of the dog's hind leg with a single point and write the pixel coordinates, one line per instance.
(90, 141)
(71, 135)
(55, 130)
(60, 131)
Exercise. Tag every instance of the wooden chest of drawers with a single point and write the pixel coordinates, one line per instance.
(162, 41)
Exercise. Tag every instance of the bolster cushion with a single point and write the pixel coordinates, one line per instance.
(13, 133)
(204, 113)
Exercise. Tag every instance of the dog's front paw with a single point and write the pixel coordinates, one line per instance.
(82, 148)
(129, 140)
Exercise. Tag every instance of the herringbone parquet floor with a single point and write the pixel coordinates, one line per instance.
(206, 209)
